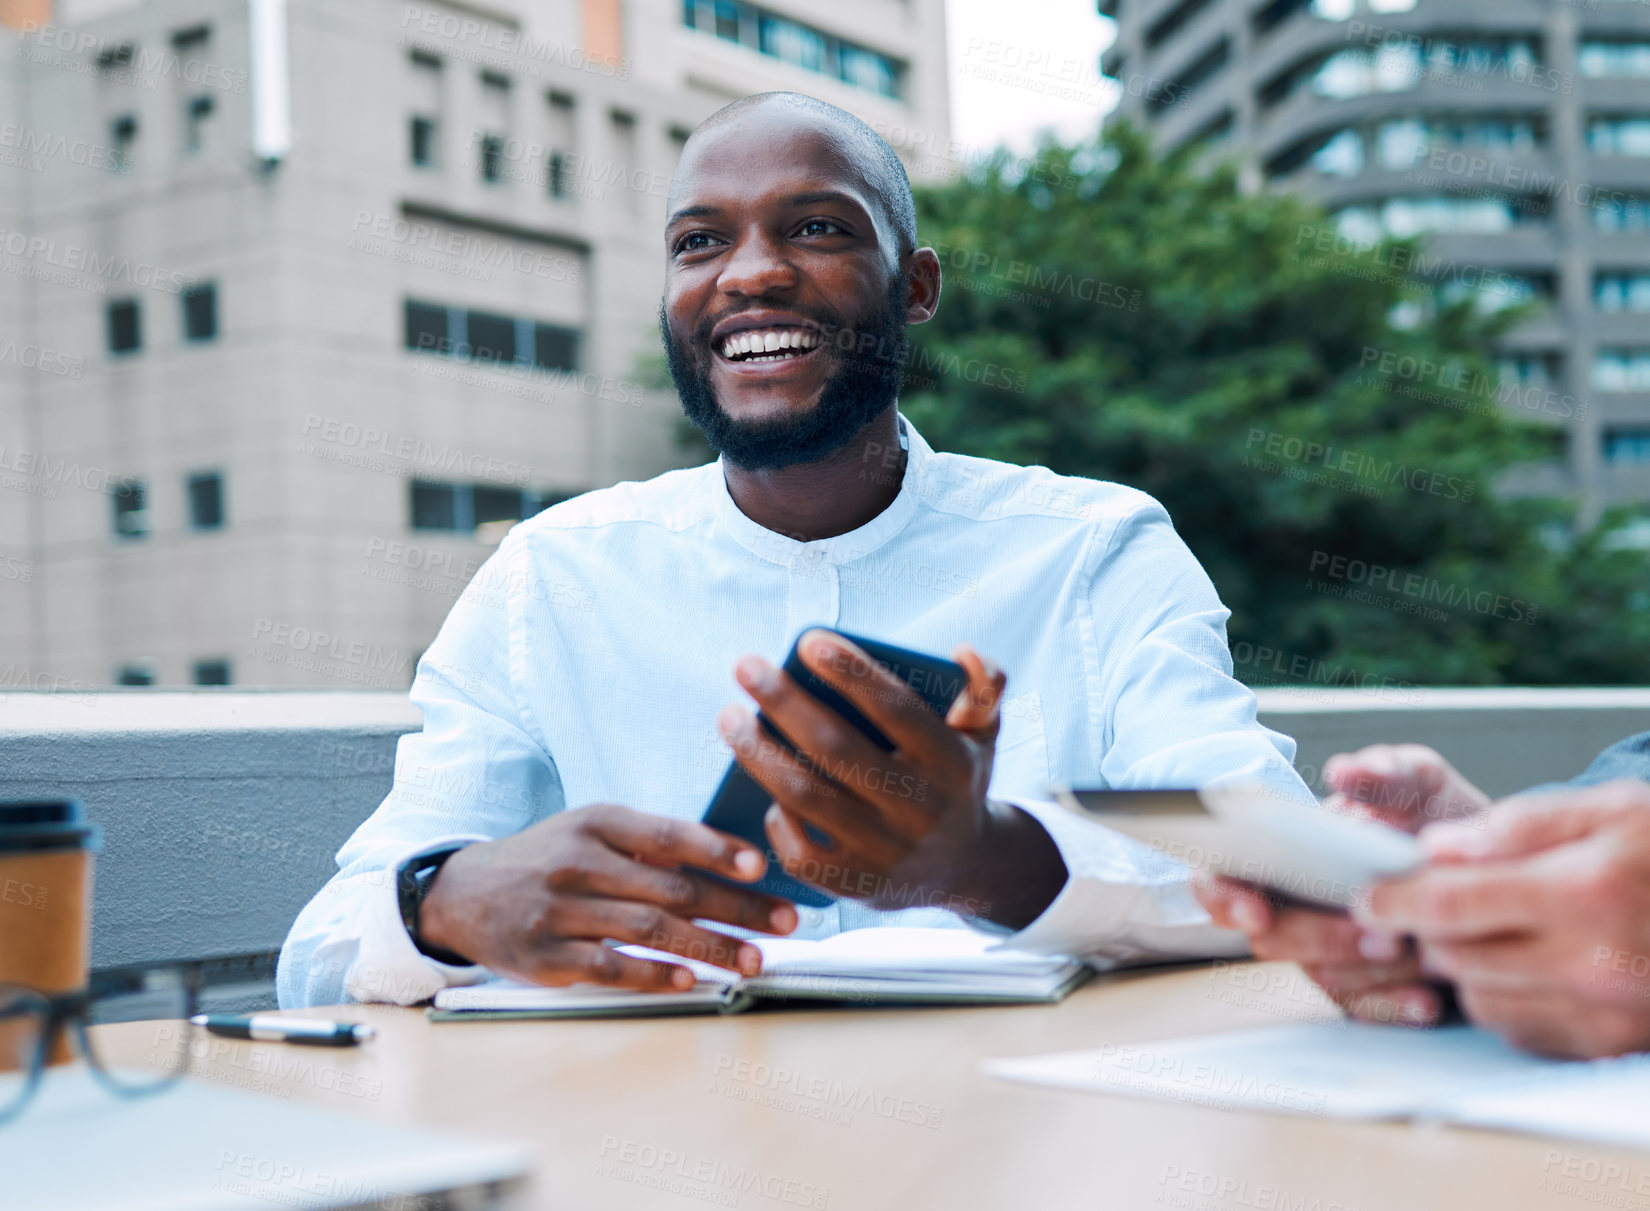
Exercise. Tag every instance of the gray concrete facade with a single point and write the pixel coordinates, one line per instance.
(129, 175)
(1501, 109)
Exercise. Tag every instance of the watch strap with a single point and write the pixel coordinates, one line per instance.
(412, 883)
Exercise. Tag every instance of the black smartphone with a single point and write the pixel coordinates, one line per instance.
(740, 802)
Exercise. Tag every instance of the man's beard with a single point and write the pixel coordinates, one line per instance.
(870, 364)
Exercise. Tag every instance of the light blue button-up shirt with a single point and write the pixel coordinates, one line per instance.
(588, 659)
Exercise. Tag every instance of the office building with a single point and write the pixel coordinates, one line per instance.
(1513, 134)
(302, 303)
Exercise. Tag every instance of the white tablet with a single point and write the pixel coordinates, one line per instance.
(1299, 850)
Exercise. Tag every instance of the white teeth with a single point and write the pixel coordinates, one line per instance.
(761, 342)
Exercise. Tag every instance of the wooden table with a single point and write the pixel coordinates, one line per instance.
(858, 1109)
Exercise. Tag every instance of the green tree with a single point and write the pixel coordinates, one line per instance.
(1330, 439)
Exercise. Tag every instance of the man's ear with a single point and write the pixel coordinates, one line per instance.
(922, 299)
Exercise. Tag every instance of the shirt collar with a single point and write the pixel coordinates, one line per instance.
(844, 548)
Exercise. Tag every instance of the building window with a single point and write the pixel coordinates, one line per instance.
(1618, 212)
(200, 312)
(554, 347)
(123, 135)
(191, 40)
(796, 43)
(1341, 156)
(427, 328)
(1601, 60)
(495, 101)
(197, 115)
(1622, 292)
(489, 337)
(212, 672)
(461, 508)
(486, 336)
(125, 325)
(425, 123)
(1493, 291)
(492, 158)
(1193, 78)
(1529, 369)
(131, 517)
(206, 501)
(422, 150)
(1619, 136)
(1622, 370)
(1627, 447)
(562, 141)
(1400, 218)
(135, 674)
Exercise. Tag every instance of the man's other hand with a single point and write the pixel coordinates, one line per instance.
(1405, 785)
(1541, 916)
(540, 905)
(1373, 975)
(908, 828)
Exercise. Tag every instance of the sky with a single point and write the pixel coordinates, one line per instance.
(1019, 66)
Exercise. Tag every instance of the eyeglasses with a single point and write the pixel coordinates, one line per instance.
(34, 1029)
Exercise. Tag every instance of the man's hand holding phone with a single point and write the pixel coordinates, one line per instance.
(907, 828)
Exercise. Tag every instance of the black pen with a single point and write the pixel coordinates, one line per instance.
(267, 1028)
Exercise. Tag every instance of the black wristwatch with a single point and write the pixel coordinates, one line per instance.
(412, 882)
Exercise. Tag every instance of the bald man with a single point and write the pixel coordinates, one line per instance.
(576, 703)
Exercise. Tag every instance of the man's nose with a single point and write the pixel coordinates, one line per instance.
(757, 266)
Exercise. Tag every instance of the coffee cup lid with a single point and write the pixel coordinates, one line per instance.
(47, 824)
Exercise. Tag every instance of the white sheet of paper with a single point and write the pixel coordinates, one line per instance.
(1338, 1070)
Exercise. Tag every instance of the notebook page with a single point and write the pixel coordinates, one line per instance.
(908, 953)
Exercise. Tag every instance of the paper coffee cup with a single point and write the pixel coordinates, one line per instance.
(46, 853)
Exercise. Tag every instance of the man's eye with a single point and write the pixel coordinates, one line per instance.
(693, 241)
(820, 227)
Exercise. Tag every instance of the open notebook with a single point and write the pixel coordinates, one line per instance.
(860, 966)
(1350, 1070)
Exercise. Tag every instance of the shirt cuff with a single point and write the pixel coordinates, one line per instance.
(1123, 902)
(388, 967)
